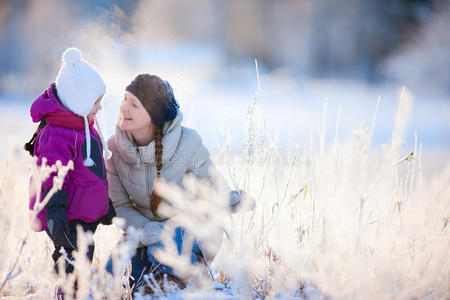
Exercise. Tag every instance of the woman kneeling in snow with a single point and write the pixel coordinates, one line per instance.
(151, 145)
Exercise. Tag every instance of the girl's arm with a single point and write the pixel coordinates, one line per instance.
(54, 146)
(57, 146)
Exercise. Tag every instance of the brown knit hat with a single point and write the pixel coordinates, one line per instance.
(156, 95)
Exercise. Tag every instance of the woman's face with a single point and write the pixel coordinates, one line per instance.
(133, 115)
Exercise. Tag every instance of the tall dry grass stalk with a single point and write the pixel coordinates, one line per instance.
(349, 220)
(341, 219)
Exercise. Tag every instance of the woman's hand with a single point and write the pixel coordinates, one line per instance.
(241, 201)
(151, 232)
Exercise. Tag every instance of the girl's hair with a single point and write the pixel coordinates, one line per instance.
(29, 147)
(155, 199)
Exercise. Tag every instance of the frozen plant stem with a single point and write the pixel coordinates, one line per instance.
(43, 172)
(10, 274)
(408, 157)
(58, 181)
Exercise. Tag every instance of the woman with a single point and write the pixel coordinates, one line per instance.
(150, 143)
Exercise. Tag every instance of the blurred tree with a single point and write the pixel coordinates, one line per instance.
(31, 44)
(313, 37)
(321, 38)
(424, 60)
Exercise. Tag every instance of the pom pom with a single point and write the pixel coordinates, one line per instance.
(171, 110)
(72, 56)
(108, 154)
(88, 162)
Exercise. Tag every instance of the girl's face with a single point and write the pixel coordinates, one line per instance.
(97, 106)
(133, 115)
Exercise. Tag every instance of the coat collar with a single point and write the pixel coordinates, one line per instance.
(132, 154)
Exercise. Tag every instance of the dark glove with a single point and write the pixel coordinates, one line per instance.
(59, 229)
(241, 201)
(58, 222)
(107, 219)
(235, 199)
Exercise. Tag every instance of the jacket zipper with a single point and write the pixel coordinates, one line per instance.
(138, 161)
(147, 179)
(106, 188)
(138, 164)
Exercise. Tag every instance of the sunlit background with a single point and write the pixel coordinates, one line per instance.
(313, 107)
(346, 54)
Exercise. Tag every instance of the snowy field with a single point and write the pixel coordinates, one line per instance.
(353, 197)
(215, 98)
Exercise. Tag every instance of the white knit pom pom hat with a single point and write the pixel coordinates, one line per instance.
(79, 85)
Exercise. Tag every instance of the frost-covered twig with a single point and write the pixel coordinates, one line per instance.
(126, 281)
(10, 275)
(408, 157)
(40, 175)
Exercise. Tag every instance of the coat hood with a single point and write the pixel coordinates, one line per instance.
(46, 103)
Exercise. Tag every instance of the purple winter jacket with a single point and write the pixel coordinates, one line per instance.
(86, 187)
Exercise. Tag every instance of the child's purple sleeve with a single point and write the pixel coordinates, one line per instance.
(56, 144)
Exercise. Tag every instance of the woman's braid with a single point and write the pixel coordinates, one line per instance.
(155, 199)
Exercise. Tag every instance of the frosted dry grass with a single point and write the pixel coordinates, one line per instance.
(26, 265)
(349, 220)
(34, 257)
(342, 220)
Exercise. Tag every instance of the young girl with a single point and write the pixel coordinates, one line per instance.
(150, 143)
(66, 112)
